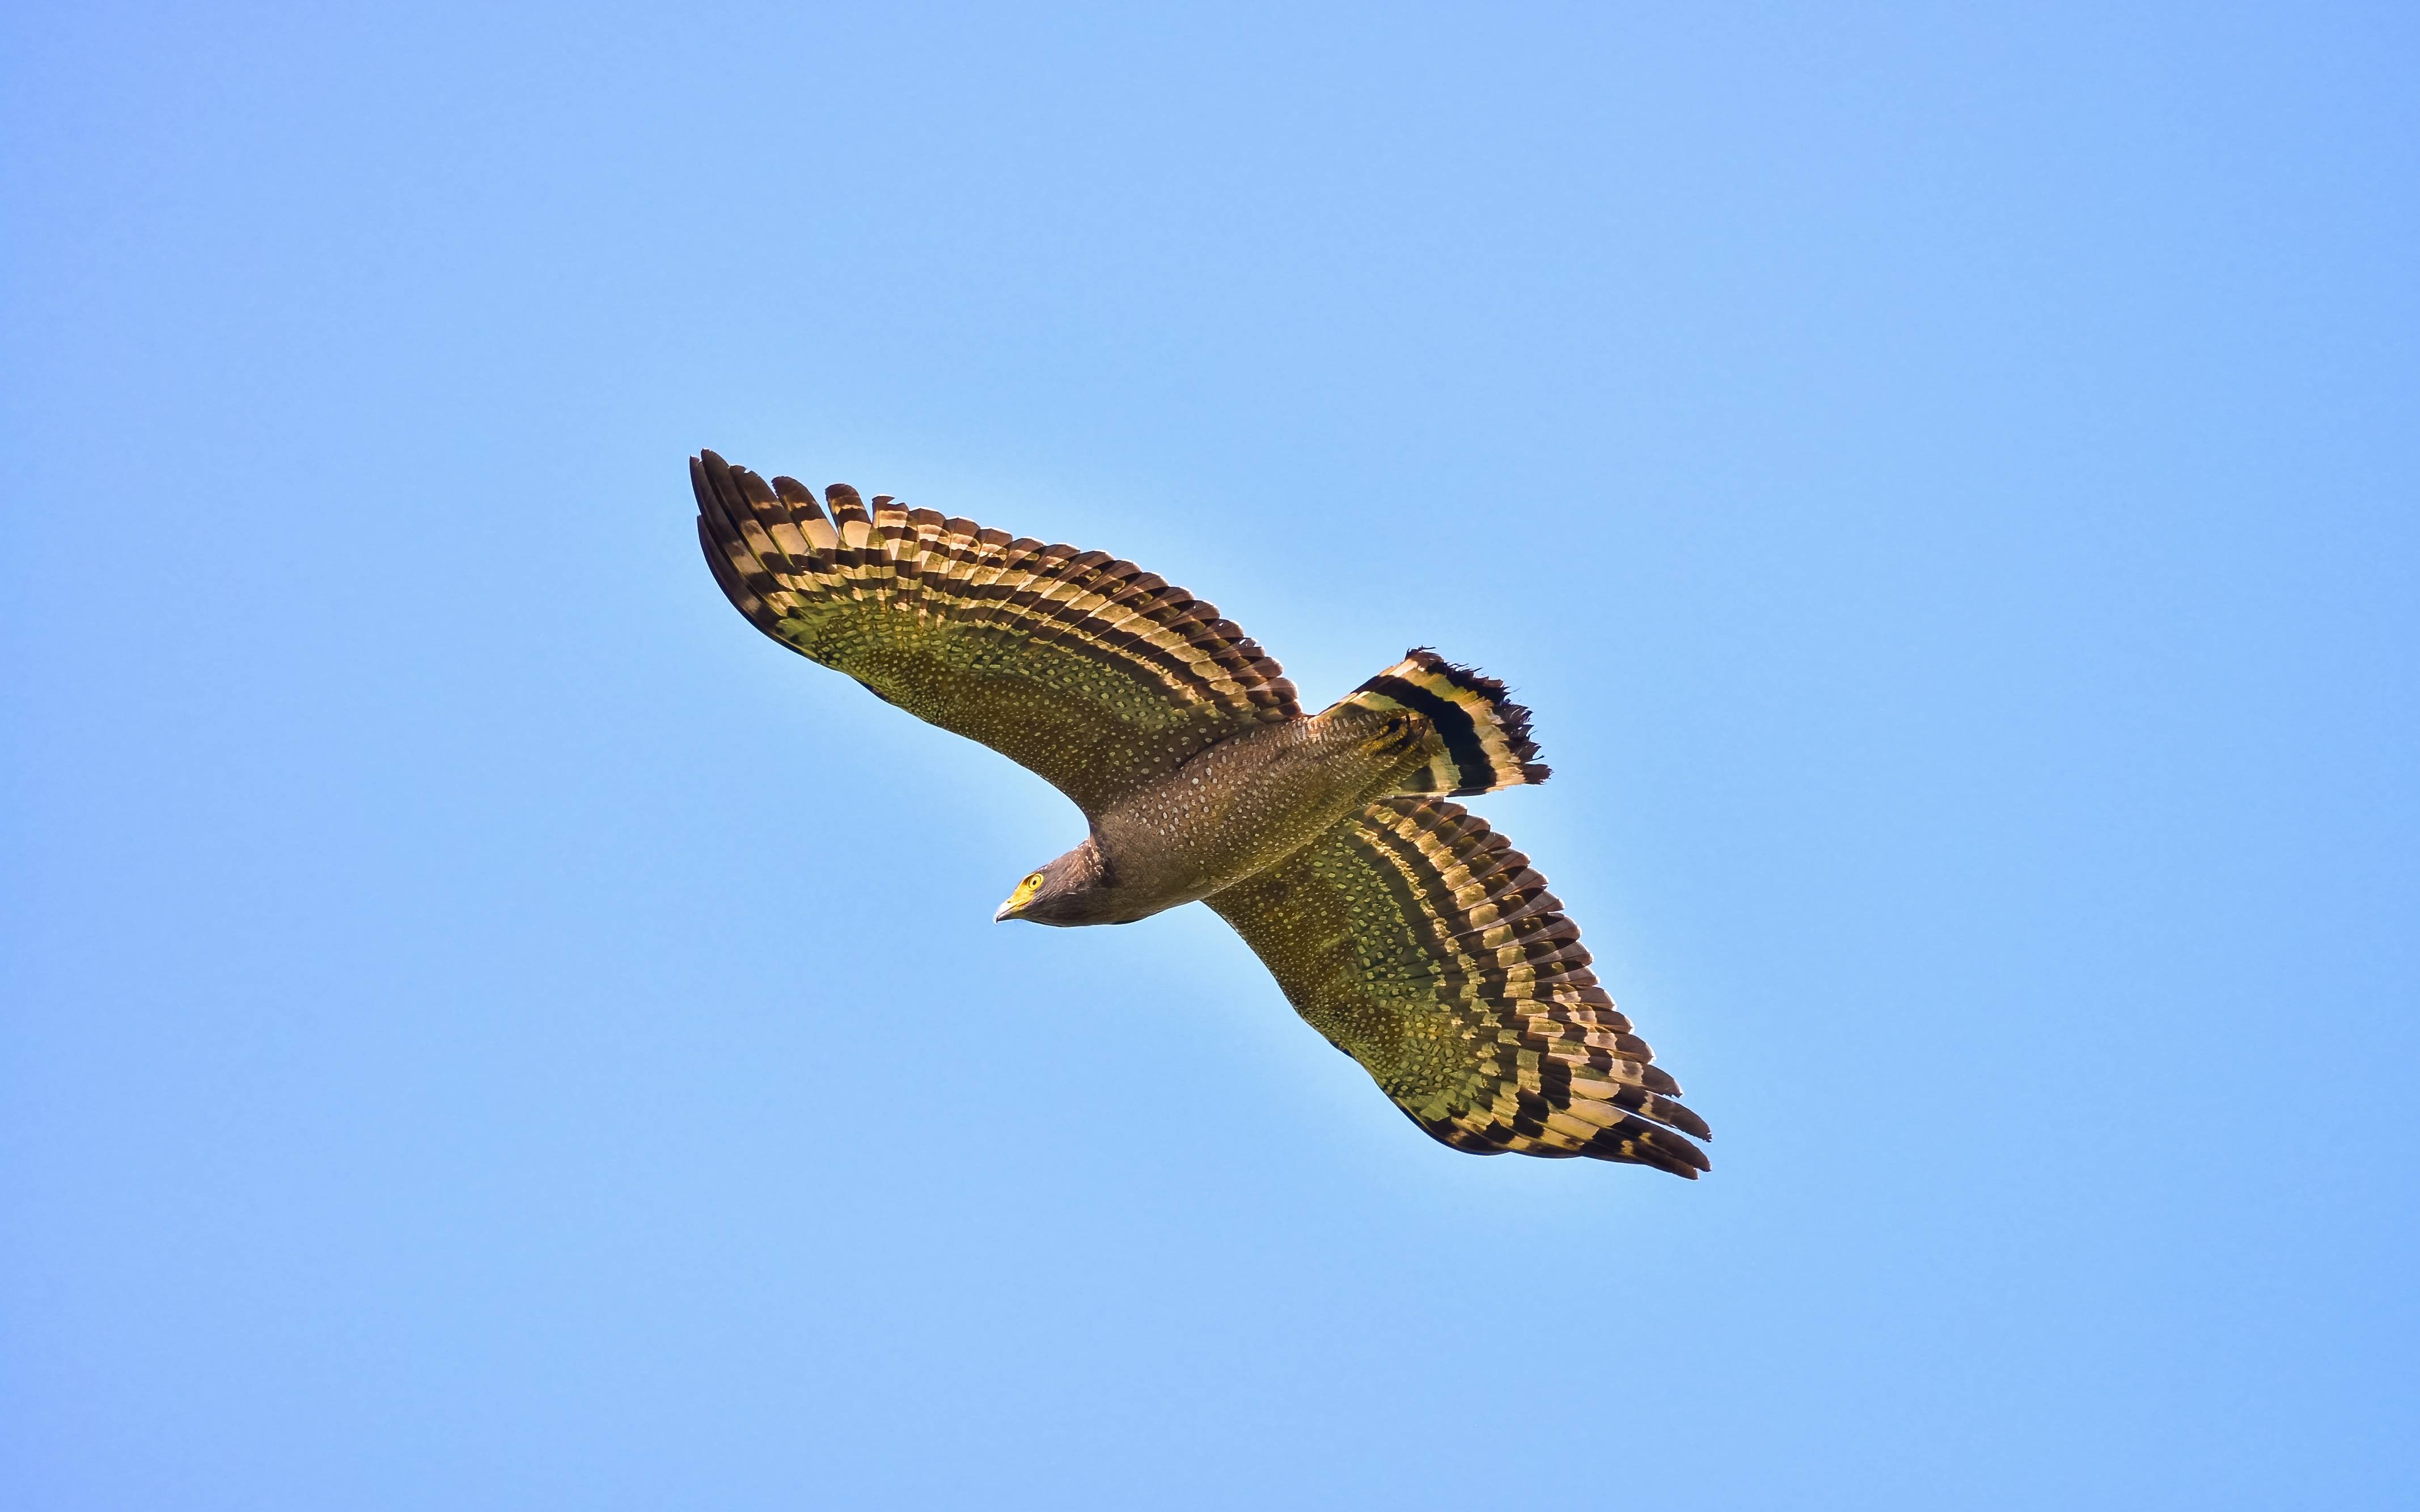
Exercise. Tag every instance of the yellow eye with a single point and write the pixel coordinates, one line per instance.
(1018, 900)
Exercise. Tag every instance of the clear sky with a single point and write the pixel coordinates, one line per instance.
(487, 1029)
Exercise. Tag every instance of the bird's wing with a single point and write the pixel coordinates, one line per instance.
(1420, 944)
(1084, 669)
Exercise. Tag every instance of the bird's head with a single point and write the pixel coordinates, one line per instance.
(1067, 891)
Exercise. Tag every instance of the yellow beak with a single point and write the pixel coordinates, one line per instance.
(1018, 900)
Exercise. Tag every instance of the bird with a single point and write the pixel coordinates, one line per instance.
(1397, 923)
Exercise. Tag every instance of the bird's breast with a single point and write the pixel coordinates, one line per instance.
(1242, 806)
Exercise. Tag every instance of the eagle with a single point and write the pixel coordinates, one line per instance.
(1411, 936)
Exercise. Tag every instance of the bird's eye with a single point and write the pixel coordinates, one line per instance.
(1033, 881)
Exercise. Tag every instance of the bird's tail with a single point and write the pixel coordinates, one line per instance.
(1487, 743)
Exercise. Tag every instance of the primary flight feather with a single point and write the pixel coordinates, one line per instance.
(1397, 923)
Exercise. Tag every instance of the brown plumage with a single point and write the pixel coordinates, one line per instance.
(1398, 924)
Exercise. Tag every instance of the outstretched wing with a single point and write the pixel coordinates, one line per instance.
(1084, 669)
(1420, 944)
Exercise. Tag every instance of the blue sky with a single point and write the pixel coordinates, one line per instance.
(488, 1029)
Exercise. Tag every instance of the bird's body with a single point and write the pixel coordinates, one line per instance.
(1398, 924)
(1236, 809)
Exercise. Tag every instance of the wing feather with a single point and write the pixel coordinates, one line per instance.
(1077, 665)
(1422, 945)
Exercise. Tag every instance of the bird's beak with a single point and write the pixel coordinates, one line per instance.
(1018, 900)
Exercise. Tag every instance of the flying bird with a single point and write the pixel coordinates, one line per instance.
(1397, 923)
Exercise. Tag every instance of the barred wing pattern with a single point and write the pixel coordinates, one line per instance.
(1421, 944)
(1081, 668)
